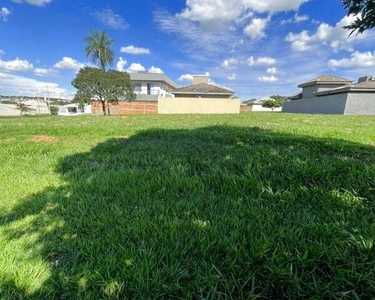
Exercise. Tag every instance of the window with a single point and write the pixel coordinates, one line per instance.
(138, 88)
(150, 88)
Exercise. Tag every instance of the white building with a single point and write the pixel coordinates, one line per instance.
(74, 109)
(152, 86)
(257, 105)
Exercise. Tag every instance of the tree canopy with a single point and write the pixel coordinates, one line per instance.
(98, 48)
(273, 103)
(365, 10)
(96, 84)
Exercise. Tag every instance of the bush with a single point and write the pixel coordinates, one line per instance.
(54, 110)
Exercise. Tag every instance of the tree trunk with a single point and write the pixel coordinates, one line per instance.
(103, 108)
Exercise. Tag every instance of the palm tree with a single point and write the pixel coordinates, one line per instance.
(98, 48)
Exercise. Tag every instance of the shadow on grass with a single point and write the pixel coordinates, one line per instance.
(211, 213)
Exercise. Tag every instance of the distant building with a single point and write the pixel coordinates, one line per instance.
(334, 95)
(257, 105)
(152, 86)
(201, 88)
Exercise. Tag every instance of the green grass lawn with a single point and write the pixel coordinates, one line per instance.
(255, 206)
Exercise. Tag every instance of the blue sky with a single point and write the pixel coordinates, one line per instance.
(255, 47)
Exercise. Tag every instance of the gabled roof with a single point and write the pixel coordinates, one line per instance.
(326, 79)
(203, 88)
(365, 86)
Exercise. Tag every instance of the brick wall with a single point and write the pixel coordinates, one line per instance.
(246, 108)
(121, 108)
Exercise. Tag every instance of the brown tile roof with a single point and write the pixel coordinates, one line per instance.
(326, 79)
(202, 88)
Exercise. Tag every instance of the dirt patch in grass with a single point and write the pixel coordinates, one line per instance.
(124, 137)
(9, 139)
(43, 139)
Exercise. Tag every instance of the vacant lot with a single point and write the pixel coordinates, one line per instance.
(187, 207)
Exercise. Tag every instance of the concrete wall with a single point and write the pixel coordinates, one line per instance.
(9, 110)
(201, 96)
(198, 106)
(332, 104)
(360, 104)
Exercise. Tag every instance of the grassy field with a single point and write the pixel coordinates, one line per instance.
(255, 206)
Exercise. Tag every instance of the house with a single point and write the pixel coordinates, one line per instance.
(73, 109)
(202, 88)
(202, 97)
(257, 105)
(334, 95)
(151, 86)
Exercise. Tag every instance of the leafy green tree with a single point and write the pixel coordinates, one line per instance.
(249, 101)
(279, 98)
(365, 9)
(96, 84)
(272, 104)
(98, 48)
(23, 108)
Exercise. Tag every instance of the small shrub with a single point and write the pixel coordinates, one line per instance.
(54, 110)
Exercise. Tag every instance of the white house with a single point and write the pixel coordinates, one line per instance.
(73, 109)
(152, 86)
(257, 105)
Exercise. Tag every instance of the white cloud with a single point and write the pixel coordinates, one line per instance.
(4, 13)
(272, 70)
(68, 63)
(155, 70)
(23, 86)
(255, 29)
(268, 79)
(335, 36)
(296, 19)
(17, 65)
(135, 67)
(120, 66)
(356, 60)
(185, 77)
(43, 72)
(134, 50)
(265, 60)
(111, 19)
(230, 63)
(233, 76)
(33, 2)
(214, 13)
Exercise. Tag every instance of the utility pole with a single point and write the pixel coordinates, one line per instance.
(37, 99)
(48, 103)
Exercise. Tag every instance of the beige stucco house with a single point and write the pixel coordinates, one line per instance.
(334, 95)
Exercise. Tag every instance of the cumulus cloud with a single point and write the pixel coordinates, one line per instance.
(135, 67)
(120, 66)
(111, 19)
(356, 60)
(155, 70)
(230, 63)
(17, 65)
(233, 76)
(272, 70)
(134, 50)
(268, 79)
(33, 2)
(20, 85)
(334, 36)
(68, 63)
(43, 72)
(214, 13)
(185, 77)
(264, 60)
(255, 29)
(4, 13)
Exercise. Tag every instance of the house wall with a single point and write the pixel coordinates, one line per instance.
(198, 106)
(360, 104)
(330, 104)
(120, 108)
(308, 92)
(159, 87)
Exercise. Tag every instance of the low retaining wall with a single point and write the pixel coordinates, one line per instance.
(198, 106)
(120, 108)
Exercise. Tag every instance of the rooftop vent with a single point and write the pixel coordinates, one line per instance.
(201, 78)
